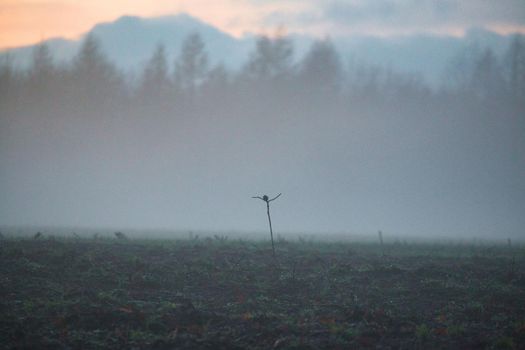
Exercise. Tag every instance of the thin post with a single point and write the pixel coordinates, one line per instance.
(380, 234)
(267, 200)
(270, 222)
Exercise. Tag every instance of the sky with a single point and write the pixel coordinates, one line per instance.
(25, 22)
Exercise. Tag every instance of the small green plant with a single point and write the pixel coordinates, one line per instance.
(504, 343)
(266, 199)
(456, 330)
(422, 332)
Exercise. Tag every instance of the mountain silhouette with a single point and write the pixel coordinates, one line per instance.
(130, 41)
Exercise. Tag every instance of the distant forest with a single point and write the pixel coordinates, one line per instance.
(179, 116)
(176, 86)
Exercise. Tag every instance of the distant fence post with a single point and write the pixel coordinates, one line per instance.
(380, 234)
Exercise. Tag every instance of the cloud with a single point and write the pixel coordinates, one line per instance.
(432, 12)
(427, 15)
(401, 16)
(28, 21)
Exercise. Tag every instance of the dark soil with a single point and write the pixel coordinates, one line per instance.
(220, 294)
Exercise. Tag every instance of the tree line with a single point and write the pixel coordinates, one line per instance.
(179, 85)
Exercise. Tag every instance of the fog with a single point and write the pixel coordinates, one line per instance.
(184, 145)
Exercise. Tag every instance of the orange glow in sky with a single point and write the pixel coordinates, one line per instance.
(24, 22)
(27, 22)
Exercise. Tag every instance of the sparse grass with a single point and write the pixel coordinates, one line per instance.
(220, 293)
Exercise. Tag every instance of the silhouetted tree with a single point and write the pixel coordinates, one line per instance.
(218, 77)
(515, 63)
(321, 68)
(43, 87)
(460, 69)
(91, 62)
(191, 65)
(7, 77)
(487, 80)
(217, 84)
(271, 59)
(365, 82)
(155, 86)
(42, 65)
(95, 80)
